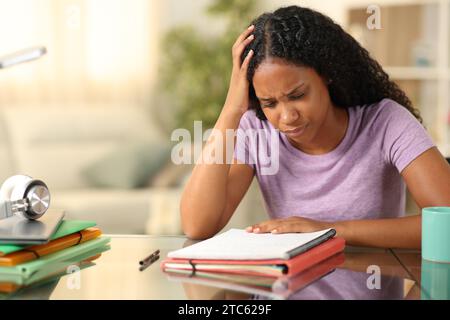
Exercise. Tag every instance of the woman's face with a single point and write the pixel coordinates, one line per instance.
(294, 99)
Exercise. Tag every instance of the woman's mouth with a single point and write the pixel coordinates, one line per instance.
(295, 132)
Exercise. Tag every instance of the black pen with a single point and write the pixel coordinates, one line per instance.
(150, 257)
(149, 262)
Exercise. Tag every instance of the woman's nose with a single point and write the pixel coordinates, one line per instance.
(289, 114)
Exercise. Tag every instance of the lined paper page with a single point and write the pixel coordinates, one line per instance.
(237, 244)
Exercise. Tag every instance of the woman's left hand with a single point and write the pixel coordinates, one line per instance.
(289, 225)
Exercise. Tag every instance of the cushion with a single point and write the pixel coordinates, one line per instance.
(171, 175)
(130, 165)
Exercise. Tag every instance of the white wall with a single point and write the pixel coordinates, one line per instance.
(175, 12)
(187, 12)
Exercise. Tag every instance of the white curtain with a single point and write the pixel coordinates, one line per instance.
(99, 51)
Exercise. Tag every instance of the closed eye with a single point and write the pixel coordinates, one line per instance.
(269, 104)
(296, 97)
(272, 104)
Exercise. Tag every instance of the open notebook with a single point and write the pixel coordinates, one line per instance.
(237, 244)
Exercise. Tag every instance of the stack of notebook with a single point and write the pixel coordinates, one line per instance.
(74, 243)
(247, 261)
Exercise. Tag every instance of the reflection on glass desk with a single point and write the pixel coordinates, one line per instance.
(268, 287)
(432, 277)
(360, 273)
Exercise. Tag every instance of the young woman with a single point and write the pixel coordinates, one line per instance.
(349, 139)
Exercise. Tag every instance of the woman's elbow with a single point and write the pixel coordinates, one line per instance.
(195, 232)
(194, 229)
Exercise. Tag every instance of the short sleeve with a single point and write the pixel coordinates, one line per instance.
(404, 137)
(244, 147)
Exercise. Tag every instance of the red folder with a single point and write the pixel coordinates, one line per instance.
(269, 268)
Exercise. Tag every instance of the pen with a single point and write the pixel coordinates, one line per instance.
(142, 262)
(148, 262)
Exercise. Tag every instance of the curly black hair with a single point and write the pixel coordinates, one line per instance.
(305, 37)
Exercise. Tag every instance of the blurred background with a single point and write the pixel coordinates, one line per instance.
(93, 117)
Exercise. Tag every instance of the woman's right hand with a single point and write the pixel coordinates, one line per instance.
(237, 97)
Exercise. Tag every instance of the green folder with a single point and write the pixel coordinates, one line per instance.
(66, 227)
(28, 269)
(46, 272)
(53, 268)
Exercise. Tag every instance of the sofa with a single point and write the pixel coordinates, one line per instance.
(110, 164)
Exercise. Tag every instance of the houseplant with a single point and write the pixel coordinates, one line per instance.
(196, 68)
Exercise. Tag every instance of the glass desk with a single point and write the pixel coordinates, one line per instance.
(433, 278)
(362, 273)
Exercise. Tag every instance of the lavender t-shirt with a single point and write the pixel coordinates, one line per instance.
(359, 179)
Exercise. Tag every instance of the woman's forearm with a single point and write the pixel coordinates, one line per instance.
(204, 198)
(402, 232)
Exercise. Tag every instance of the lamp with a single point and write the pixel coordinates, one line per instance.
(22, 56)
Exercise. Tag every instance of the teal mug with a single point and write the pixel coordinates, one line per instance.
(436, 234)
